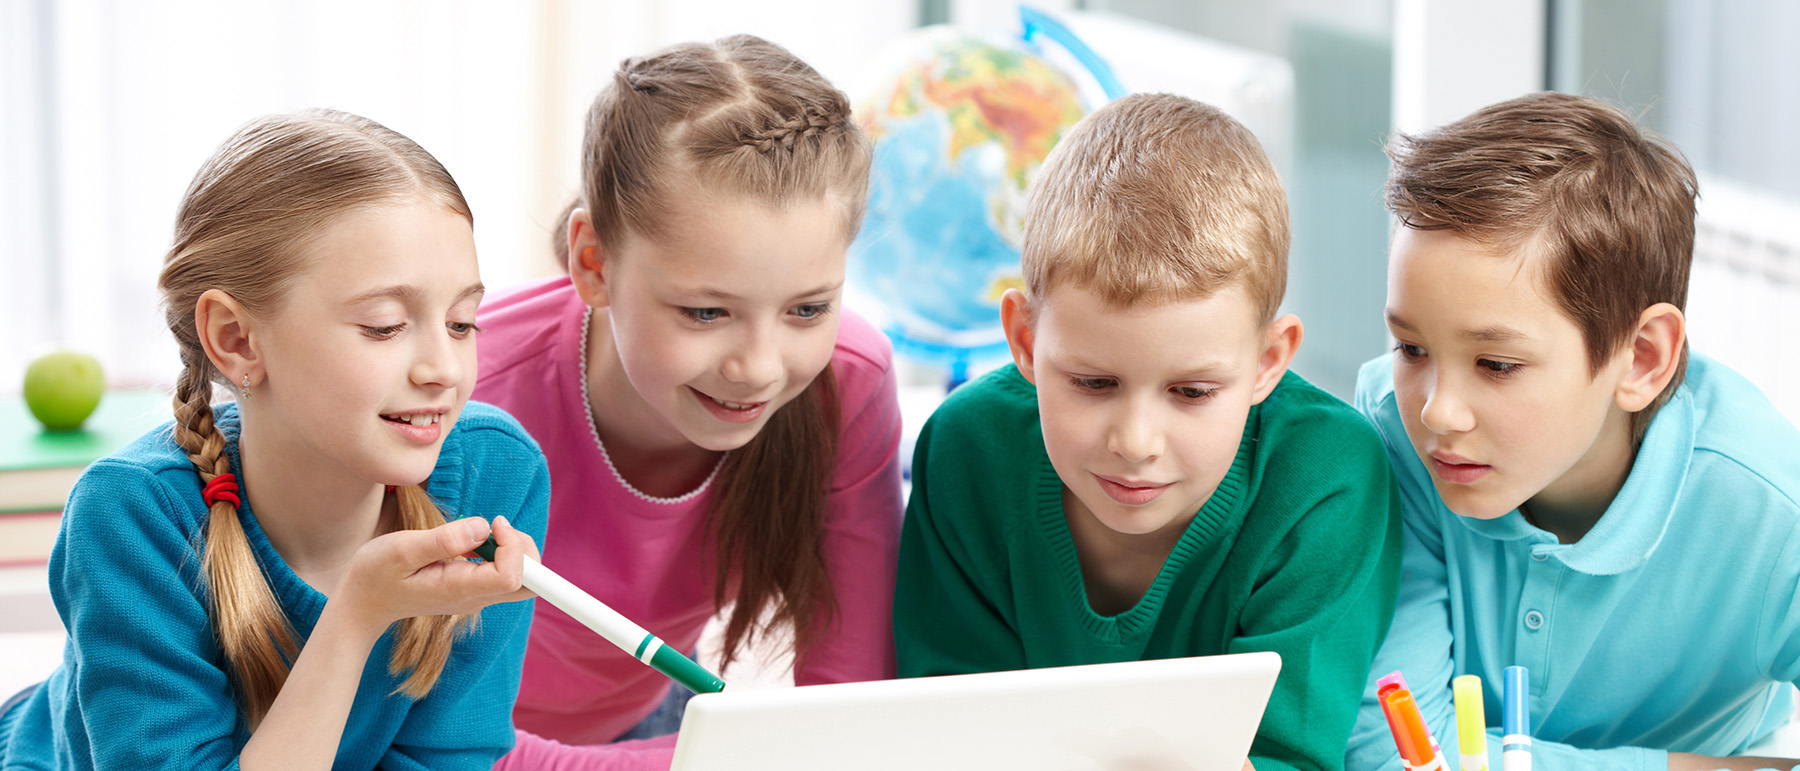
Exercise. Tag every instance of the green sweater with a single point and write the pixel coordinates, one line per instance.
(1297, 552)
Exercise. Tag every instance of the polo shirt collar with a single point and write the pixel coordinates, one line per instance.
(1638, 517)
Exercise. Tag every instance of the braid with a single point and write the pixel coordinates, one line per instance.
(807, 124)
(744, 117)
(252, 631)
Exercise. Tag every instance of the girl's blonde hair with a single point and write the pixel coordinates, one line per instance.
(249, 210)
(743, 116)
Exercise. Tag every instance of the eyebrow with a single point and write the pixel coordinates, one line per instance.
(720, 294)
(404, 292)
(1204, 369)
(1492, 333)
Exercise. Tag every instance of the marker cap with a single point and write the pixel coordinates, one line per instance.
(1516, 718)
(1417, 740)
(1471, 717)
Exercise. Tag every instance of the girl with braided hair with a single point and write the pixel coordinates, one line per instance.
(721, 433)
(271, 583)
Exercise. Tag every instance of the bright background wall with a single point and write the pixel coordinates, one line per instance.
(108, 106)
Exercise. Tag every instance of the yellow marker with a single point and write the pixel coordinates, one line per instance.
(1471, 723)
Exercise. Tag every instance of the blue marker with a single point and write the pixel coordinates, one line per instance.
(1515, 740)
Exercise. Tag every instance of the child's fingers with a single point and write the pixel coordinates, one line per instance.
(509, 557)
(512, 548)
(417, 549)
(524, 539)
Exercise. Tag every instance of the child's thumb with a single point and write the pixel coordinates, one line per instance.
(452, 539)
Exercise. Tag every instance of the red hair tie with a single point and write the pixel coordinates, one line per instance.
(222, 488)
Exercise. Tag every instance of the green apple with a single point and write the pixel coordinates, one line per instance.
(63, 388)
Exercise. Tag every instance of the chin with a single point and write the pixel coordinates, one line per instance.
(407, 480)
(718, 441)
(1464, 504)
(1132, 522)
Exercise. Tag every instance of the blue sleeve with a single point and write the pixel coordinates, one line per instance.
(149, 686)
(465, 722)
(1421, 643)
(1778, 633)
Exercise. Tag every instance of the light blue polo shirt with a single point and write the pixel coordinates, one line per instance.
(1673, 625)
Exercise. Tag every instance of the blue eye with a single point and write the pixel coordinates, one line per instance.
(704, 315)
(812, 311)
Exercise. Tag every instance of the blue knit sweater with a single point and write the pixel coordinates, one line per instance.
(143, 684)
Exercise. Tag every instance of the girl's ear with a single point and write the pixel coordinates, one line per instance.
(587, 260)
(1654, 348)
(1279, 346)
(1015, 318)
(230, 337)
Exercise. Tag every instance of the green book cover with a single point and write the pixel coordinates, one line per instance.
(37, 467)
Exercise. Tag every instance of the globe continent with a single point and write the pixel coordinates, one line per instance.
(960, 126)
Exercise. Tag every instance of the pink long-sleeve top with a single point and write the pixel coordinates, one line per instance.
(647, 557)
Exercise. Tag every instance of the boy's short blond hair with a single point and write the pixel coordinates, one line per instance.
(1607, 207)
(1156, 198)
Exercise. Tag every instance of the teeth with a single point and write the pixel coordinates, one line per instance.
(733, 405)
(417, 420)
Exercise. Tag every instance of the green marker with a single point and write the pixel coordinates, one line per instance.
(617, 629)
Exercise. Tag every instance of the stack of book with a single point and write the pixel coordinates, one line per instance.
(38, 467)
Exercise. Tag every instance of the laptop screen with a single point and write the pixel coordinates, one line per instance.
(1189, 714)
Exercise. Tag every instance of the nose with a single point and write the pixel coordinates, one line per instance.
(436, 360)
(755, 363)
(1135, 435)
(1446, 411)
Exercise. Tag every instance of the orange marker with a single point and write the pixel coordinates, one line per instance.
(1395, 724)
(1414, 740)
(1386, 684)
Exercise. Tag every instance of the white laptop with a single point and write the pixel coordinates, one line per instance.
(1191, 714)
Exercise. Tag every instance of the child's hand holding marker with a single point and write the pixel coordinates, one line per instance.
(410, 573)
(608, 623)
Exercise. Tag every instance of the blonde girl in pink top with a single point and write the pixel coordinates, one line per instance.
(720, 432)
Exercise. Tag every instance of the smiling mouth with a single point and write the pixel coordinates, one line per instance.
(418, 419)
(739, 406)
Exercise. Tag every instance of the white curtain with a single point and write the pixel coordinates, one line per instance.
(108, 106)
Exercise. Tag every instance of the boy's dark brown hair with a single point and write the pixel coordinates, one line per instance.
(1608, 207)
(1156, 198)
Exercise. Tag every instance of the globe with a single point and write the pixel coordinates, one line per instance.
(960, 122)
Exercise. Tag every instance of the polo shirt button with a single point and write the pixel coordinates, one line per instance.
(1540, 556)
(1534, 620)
